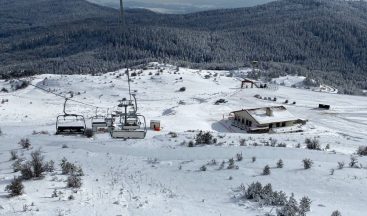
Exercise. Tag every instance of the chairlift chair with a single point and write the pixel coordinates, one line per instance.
(99, 122)
(134, 127)
(131, 125)
(70, 124)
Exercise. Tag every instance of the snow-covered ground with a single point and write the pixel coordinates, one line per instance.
(297, 82)
(160, 174)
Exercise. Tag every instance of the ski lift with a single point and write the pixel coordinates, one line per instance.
(99, 122)
(131, 125)
(70, 124)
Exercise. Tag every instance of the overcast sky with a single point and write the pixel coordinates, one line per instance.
(205, 4)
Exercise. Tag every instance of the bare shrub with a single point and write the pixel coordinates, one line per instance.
(15, 188)
(88, 133)
(70, 168)
(37, 163)
(273, 142)
(182, 89)
(313, 144)
(353, 161)
(13, 155)
(17, 165)
(203, 168)
(204, 138)
(231, 164)
(307, 163)
(341, 165)
(49, 166)
(239, 156)
(191, 144)
(243, 142)
(362, 151)
(253, 159)
(71, 197)
(74, 181)
(336, 213)
(332, 171)
(26, 171)
(25, 143)
(173, 134)
(282, 145)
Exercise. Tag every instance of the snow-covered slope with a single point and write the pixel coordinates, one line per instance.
(160, 175)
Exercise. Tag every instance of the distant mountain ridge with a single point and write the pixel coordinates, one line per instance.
(323, 39)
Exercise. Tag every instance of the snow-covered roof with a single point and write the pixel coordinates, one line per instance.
(278, 114)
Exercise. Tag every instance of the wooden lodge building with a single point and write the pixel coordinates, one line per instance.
(262, 120)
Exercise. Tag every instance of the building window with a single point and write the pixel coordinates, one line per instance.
(243, 121)
(250, 123)
(283, 124)
(278, 124)
(270, 125)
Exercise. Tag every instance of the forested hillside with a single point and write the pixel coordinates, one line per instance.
(322, 39)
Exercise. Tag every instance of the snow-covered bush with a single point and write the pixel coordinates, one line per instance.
(13, 155)
(88, 132)
(182, 89)
(362, 151)
(332, 171)
(282, 145)
(17, 165)
(265, 195)
(74, 181)
(203, 168)
(49, 166)
(231, 164)
(221, 166)
(253, 159)
(204, 138)
(291, 208)
(280, 163)
(19, 84)
(239, 156)
(243, 142)
(336, 213)
(26, 171)
(266, 170)
(37, 163)
(173, 134)
(341, 165)
(16, 187)
(191, 144)
(273, 142)
(353, 161)
(307, 163)
(304, 205)
(313, 144)
(68, 168)
(25, 143)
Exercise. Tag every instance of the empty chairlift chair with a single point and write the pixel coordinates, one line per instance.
(131, 125)
(70, 124)
(99, 123)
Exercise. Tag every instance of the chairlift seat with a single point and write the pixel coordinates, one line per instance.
(70, 130)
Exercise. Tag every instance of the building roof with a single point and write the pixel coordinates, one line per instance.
(279, 114)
